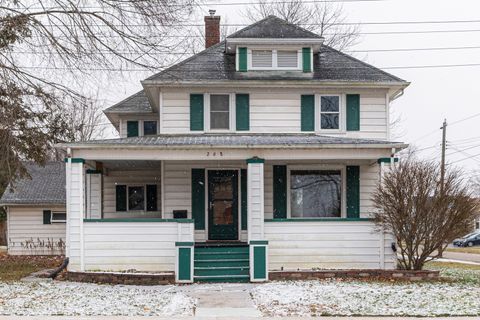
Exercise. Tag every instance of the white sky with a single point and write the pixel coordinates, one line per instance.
(434, 93)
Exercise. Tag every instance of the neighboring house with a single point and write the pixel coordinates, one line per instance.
(258, 154)
(36, 213)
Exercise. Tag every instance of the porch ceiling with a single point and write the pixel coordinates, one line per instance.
(131, 164)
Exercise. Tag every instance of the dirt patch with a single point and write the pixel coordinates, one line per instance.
(14, 268)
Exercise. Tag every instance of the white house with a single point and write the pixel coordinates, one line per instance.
(36, 213)
(259, 153)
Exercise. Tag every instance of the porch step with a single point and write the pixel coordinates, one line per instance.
(221, 263)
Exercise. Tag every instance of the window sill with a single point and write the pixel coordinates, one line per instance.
(318, 220)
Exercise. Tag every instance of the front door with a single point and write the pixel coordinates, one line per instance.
(223, 205)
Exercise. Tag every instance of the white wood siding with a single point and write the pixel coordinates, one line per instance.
(255, 186)
(120, 246)
(329, 245)
(278, 110)
(94, 195)
(369, 179)
(137, 177)
(26, 229)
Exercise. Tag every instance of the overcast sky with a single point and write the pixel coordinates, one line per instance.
(434, 94)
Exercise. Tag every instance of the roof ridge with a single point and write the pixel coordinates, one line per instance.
(363, 62)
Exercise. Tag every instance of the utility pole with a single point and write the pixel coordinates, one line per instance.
(444, 147)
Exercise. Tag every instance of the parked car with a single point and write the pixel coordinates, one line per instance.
(469, 240)
(459, 241)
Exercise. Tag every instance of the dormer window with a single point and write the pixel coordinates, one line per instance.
(274, 59)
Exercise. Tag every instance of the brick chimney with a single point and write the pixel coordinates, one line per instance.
(212, 29)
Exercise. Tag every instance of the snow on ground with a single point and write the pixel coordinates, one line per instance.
(70, 298)
(344, 298)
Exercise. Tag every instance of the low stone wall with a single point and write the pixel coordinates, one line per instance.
(143, 279)
(3, 233)
(405, 275)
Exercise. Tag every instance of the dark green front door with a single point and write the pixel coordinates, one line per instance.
(222, 205)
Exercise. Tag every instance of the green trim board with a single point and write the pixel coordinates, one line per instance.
(258, 242)
(319, 220)
(139, 220)
(243, 199)
(93, 171)
(76, 160)
(353, 191)
(279, 191)
(387, 160)
(255, 160)
(259, 263)
(184, 244)
(47, 216)
(196, 112)
(185, 264)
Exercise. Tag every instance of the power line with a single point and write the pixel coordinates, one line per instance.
(462, 150)
(467, 118)
(469, 157)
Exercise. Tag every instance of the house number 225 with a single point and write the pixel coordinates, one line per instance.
(214, 154)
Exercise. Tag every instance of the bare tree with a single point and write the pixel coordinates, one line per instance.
(324, 18)
(423, 217)
(49, 47)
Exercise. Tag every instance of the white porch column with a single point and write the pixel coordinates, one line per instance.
(255, 218)
(75, 191)
(94, 194)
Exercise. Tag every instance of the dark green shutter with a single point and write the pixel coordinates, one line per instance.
(242, 111)
(308, 112)
(353, 192)
(196, 112)
(121, 198)
(152, 197)
(307, 59)
(243, 188)
(184, 263)
(132, 128)
(198, 198)
(279, 192)
(242, 59)
(353, 112)
(47, 217)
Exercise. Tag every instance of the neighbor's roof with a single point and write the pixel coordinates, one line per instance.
(235, 140)
(46, 186)
(135, 103)
(274, 27)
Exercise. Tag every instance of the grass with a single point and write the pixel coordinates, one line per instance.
(456, 272)
(13, 268)
(475, 250)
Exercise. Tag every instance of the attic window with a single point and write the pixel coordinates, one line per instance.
(262, 58)
(287, 59)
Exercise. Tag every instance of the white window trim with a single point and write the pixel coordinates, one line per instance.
(231, 110)
(343, 202)
(274, 59)
(57, 221)
(342, 113)
(141, 131)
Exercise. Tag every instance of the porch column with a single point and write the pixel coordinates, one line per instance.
(75, 191)
(255, 213)
(94, 194)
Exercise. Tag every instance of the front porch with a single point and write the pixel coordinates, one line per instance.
(289, 209)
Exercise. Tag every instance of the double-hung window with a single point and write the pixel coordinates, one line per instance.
(315, 193)
(219, 112)
(136, 197)
(262, 59)
(287, 59)
(330, 112)
(149, 127)
(273, 59)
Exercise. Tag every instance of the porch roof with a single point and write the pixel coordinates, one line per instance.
(187, 141)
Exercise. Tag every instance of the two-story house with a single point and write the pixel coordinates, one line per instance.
(258, 154)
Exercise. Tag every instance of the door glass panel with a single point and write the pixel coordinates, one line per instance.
(222, 201)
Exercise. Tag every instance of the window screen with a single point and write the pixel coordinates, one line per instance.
(287, 59)
(149, 128)
(315, 193)
(330, 112)
(136, 198)
(220, 111)
(262, 58)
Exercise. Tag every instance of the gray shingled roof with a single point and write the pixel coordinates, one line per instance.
(274, 27)
(240, 140)
(46, 186)
(213, 64)
(135, 103)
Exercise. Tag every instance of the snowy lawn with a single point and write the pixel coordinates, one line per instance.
(336, 298)
(70, 298)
